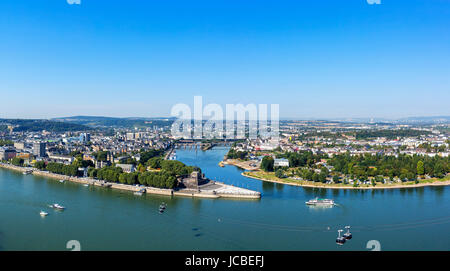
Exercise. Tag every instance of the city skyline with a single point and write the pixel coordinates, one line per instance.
(328, 60)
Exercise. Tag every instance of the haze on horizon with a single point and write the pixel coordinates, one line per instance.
(327, 59)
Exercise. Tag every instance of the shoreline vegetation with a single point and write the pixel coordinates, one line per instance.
(270, 177)
(128, 187)
(340, 171)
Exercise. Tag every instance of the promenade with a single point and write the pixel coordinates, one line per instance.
(219, 190)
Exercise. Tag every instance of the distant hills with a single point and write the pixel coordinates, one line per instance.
(86, 123)
(437, 119)
(36, 125)
(101, 121)
(408, 120)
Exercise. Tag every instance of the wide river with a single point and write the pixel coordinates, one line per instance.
(104, 219)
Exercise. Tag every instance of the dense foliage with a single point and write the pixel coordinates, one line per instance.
(6, 143)
(147, 155)
(17, 161)
(302, 159)
(267, 163)
(58, 168)
(403, 166)
(233, 154)
(166, 178)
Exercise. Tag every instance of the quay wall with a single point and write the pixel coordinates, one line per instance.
(127, 187)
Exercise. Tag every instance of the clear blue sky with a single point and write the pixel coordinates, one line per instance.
(317, 59)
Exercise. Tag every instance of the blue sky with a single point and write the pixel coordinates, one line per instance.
(317, 59)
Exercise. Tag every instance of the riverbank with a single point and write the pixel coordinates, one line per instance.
(221, 190)
(270, 177)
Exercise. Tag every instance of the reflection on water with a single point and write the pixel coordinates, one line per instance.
(336, 192)
(268, 186)
(279, 186)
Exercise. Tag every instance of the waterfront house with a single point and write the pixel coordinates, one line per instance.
(128, 168)
(281, 162)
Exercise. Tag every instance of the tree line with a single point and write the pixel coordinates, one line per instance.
(403, 166)
(165, 178)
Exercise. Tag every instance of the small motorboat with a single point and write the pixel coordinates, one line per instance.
(141, 192)
(57, 206)
(42, 213)
(85, 185)
(162, 208)
(61, 181)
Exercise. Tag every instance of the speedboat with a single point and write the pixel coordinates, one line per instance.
(162, 208)
(86, 184)
(42, 213)
(321, 202)
(57, 206)
(61, 181)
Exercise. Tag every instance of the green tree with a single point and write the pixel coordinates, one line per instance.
(17, 161)
(40, 165)
(420, 168)
(279, 173)
(335, 178)
(322, 177)
(315, 177)
(267, 163)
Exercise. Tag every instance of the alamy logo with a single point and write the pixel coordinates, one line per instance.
(74, 245)
(76, 2)
(374, 245)
(240, 121)
(371, 2)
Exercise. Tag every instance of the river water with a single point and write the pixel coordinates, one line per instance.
(104, 219)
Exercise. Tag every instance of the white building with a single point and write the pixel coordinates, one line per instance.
(281, 162)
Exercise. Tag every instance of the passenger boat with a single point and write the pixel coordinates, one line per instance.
(321, 202)
(57, 206)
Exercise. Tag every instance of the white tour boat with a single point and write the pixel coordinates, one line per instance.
(321, 202)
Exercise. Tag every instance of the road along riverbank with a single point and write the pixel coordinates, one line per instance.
(212, 191)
